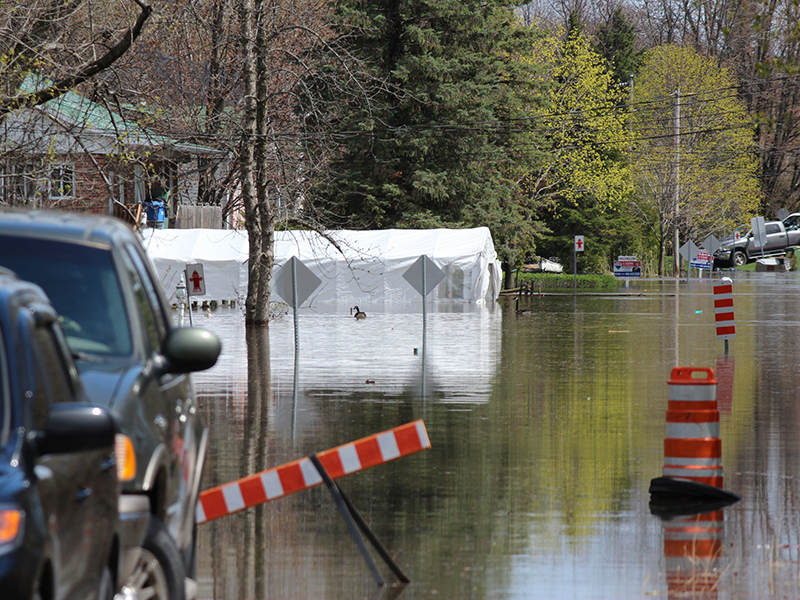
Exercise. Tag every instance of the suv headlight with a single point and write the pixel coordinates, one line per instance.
(125, 457)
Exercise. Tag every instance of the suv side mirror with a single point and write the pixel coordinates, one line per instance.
(189, 349)
(73, 427)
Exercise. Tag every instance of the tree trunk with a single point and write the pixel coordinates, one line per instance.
(508, 272)
(258, 214)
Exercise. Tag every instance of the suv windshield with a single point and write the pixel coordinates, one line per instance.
(82, 284)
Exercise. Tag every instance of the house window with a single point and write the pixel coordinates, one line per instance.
(62, 182)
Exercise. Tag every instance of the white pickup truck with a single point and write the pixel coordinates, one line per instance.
(780, 236)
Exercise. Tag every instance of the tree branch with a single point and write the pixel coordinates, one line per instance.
(84, 73)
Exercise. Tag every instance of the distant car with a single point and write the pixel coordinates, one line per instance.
(132, 360)
(58, 483)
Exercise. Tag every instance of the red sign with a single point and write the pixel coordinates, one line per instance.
(195, 280)
(579, 244)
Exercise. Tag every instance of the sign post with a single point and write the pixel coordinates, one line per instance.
(424, 276)
(701, 262)
(578, 247)
(627, 267)
(689, 251)
(759, 233)
(295, 283)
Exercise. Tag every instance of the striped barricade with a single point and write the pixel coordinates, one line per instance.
(723, 309)
(692, 445)
(301, 474)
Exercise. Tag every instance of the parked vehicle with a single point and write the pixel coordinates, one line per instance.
(779, 237)
(58, 479)
(135, 362)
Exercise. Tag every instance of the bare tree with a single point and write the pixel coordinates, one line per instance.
(39, 36)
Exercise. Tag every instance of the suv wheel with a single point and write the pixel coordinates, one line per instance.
(159, 574)
(739, 259)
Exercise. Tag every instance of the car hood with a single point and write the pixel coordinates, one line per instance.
(103, 378)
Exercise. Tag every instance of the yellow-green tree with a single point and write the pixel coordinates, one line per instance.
(585, 177)
(584, 122)
(692, 154)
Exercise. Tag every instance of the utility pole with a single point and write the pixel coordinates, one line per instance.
(677, 135)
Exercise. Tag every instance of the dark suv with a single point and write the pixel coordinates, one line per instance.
(131, 359)
(58, 481)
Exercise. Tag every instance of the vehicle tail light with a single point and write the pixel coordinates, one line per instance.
(10, 522)
(126, 457)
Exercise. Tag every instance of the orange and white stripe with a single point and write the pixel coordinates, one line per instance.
(301, 474)
(692, 548)
(723, 309)
(692, 444)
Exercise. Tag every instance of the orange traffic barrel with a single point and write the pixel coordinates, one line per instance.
(692, 446)
(692, 548)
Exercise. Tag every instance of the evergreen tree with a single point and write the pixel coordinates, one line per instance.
(616, 43)
(438, 146)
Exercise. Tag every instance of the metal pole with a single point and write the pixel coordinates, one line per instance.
(294, 304)
(677, 130)
(424, 319)
(348, 519)
(574, 269)
(189, 299)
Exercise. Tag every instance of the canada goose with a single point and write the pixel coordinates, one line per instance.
(359, 314)
(519, 311)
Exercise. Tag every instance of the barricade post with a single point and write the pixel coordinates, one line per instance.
(723, 310)
(301, 474)
(692, 444)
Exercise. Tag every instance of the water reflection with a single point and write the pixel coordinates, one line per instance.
(546, 430)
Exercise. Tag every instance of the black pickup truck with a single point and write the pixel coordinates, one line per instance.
(780, 236)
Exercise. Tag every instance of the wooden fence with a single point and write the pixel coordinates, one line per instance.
(199, 217)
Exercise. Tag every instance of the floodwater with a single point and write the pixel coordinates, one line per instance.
(546, 429)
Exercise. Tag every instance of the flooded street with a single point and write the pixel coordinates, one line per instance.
(546, 429)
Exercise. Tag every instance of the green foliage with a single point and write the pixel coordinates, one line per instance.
(546, 281)
(718, 181)
(433, 147)
(608, 234)
(586, 128)
(616, 43)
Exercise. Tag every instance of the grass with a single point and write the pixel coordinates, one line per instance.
(563, 280)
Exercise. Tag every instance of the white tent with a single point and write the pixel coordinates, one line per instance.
(355, 267)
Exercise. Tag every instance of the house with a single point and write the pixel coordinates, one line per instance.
(82, 154)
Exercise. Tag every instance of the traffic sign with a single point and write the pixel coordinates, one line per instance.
(579, 243)
(433, 275)
(627, 266)
(759, 231)
(306, 282)
(689, 250)
(711, 244)
(195, 280)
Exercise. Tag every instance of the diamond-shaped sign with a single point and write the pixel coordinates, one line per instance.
(433, 275)
(689, 250)
(307, 282)
(711, 244)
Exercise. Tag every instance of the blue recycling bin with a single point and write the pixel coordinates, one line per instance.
(156, 213)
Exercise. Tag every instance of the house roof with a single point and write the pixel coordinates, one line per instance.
(95, 119)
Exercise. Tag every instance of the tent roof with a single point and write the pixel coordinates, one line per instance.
(355, 267)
